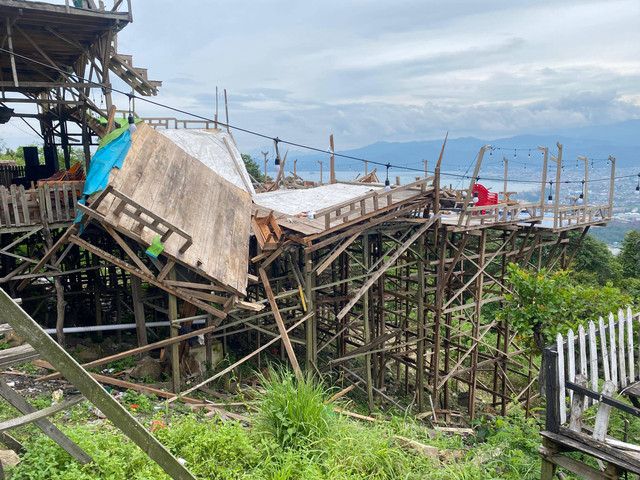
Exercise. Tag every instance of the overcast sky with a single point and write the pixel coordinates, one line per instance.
(369, 70)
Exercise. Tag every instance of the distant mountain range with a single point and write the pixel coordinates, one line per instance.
(620, 140)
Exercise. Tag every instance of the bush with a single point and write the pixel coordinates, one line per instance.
(293, 412)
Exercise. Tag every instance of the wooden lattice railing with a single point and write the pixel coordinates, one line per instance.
(56, 203)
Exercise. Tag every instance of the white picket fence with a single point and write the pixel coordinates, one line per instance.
(608, 344)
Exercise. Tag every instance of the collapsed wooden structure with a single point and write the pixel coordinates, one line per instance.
(392, 285)
(395, 290)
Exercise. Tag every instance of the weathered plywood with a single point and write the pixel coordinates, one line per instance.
(162, 177)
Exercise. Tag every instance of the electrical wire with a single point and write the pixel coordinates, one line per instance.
(387, 165)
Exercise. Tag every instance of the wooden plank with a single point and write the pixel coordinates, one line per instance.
(577, 407)
(244, 359)
(574, 466)
(622, 350)
(90, 388)
(61, 241)
(584, 443)
(593, 357)
(132, 255)
(604, 350)
(613, 357)
(14, 204)
(604, 412)
(5, 207)
(25, 208)
(16, 355)
(135, 271)
(584, 363)
(390, 261)
(138, 350)
(39, 414)
(283, 331)
(630, 349)
(329, 260)
(43, 424)
(571, 360)
(561, 386)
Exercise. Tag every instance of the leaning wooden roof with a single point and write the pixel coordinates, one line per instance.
(162, 178)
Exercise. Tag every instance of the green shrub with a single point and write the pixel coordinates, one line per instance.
(293, 412)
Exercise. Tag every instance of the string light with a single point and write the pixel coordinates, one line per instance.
(581, 197)
(130, 119)
(387, 185)
(638, 186)
(132, 96)
(550, 197)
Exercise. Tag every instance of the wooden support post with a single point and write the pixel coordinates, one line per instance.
(280, 323)
(421, 325)
(175, 348)
(368, 338)
(478, 293)
(310, 337)
(138, 310)
(26, 327)
(332, 165)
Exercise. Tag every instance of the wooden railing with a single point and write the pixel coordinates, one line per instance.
(594, 368)
(9, 172)
(569, 215)
(56, 203)
(500, 213)
(371, 202)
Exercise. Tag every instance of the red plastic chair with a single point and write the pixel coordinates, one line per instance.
(485, 197)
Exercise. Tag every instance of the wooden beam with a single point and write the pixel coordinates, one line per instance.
(139, 273)
(26, 327)
(374, 278)
(137, 351)
(244, 359)
(283, 331)
(39, 414)
(48, 428)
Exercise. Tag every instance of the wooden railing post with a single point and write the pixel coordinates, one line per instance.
(550, 370)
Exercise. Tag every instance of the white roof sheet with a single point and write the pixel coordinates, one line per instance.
(210, 148)
(293, 202)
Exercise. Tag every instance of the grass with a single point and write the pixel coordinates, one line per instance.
(295, 436)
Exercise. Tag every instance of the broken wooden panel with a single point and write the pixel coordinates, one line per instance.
(161, 187)
(267, 231)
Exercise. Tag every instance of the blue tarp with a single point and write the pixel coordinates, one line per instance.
(109, 156)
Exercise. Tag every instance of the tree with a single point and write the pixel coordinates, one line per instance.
(594, 262)
(629, 256)
(543, 303)
(253, 168)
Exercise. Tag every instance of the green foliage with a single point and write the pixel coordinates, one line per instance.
(544, 303)
(594, 262)
(630, 254)
(293, 412)
(253, 168)
(138, 402)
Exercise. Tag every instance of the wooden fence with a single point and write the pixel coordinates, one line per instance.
(9, 172)
(598, 367)
(20, 208)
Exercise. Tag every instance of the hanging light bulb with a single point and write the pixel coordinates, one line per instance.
(276, 164)
(529, 154)
(387, 185)
(550, 197)
(132, 124)
(581, 197)
(638, 186)
(514, 153)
